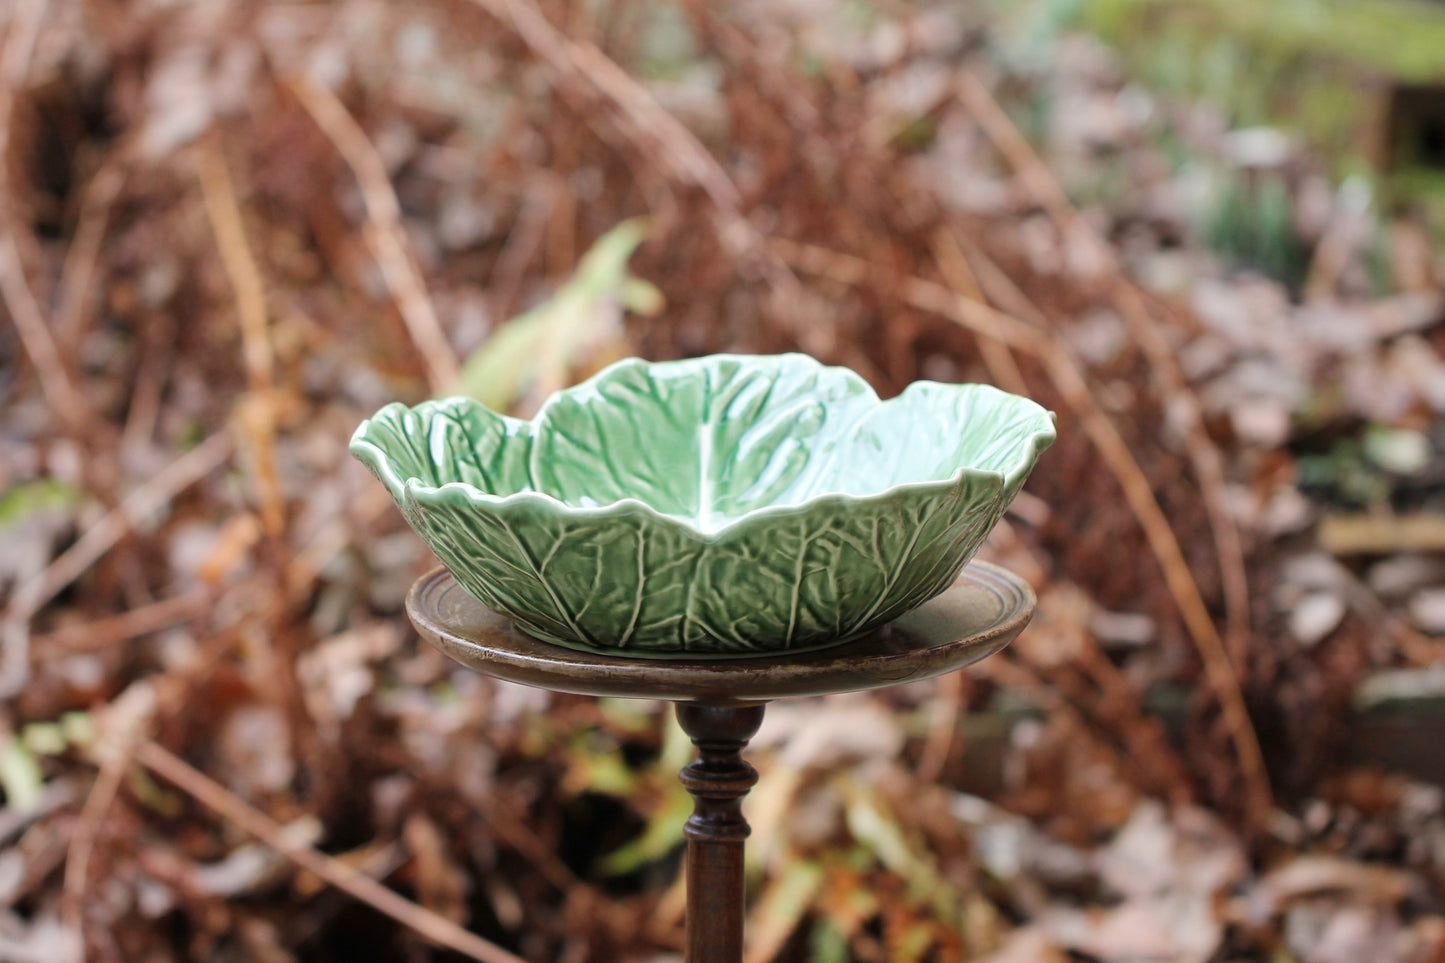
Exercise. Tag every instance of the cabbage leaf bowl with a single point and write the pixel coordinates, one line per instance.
(725, 506)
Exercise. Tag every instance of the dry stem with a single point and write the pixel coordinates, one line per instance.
(1070, 382)
(99, 539)
(1041, 183)
(78, 271)
(20, 301)
(654, 134)
(107, 632)
(384, 232)
(255, 413)
(82, 841)
(211, 794)
(240, 265)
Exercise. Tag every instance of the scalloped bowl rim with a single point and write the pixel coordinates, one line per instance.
(374, 456)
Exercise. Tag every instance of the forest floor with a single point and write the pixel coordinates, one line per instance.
(231, 231)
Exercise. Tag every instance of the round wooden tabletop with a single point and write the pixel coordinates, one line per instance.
(981, 613)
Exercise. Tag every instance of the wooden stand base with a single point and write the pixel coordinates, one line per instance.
(720, 703)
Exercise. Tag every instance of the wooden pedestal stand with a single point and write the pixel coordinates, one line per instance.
(720, 703)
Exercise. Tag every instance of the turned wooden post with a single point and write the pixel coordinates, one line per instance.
(718, 781)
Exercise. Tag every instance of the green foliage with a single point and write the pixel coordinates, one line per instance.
(1423, 188)
(19, 502)
(662, 836)
(1026, 37)
(1310, 65)
(787, 899)
(1399, 38)
(1343, 475)
(667, 46)
(879, 833)
(1379, 263)
(827, 943)
(1362, 471)
(654, 787)
(21, 777)
(546, 341)
(53, 738)
(1251, 223)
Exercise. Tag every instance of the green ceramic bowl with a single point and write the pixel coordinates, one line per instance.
(719, 507)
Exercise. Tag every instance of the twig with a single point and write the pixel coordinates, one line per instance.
(1007, 669)
(255, 413)
(155, 355)
(1033, 173)
(138, 506)
(1342, 237)
(211, 794)
(107, 632)
(20, 300)
(121, 725)
(1208, 466)
(34, 333)
(1203, 453)
(523, 241)
(83, 254)
(517, 834)
(1070, 382)
(56, 794)
(956, 271)
(1382, 534)
(82, 840)
(306, 565)
(655, 134)
(688, 160)
(691, 159)
(240, 264)
(945, 707)
(383, 230)
(1142, 735)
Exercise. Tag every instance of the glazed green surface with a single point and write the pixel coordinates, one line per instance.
(722, 506)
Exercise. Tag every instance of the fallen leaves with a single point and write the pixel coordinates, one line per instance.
(241, 267)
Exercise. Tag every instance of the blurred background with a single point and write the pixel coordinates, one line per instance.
(1205, 232)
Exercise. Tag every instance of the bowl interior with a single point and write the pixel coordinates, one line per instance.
(711, 439)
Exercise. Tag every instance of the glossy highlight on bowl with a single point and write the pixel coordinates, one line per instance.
(724, 506)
